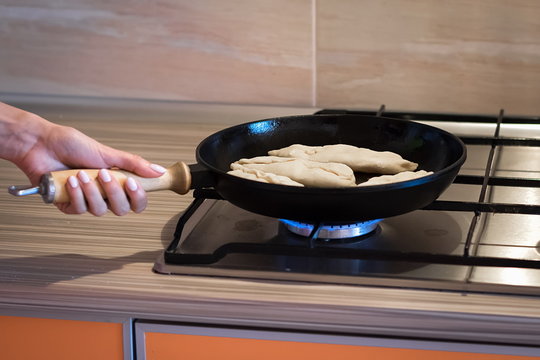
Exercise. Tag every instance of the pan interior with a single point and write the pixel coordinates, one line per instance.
(432, 149)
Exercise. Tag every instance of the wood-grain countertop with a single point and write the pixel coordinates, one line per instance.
(51, 262)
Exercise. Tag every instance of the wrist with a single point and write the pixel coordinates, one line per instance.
(20, 131)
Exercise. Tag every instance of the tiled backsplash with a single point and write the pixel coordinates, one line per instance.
(457, 56)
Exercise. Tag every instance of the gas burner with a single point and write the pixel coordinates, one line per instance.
(336, 231)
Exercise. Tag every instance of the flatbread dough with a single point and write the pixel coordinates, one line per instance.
(307, 172)
(358, 159)
(258, 175)
(403, 176)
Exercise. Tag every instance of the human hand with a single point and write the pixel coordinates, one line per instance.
(38, 147)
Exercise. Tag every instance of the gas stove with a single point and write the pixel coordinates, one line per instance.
(481, 235)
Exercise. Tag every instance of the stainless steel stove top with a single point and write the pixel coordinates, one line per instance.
(482, 234)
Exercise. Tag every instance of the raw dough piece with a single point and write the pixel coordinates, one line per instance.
(262, 176)
(359, 159)
(403, 176)
(309, 173)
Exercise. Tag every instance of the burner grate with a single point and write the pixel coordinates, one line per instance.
(322, 250)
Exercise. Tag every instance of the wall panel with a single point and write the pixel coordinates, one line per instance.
(236, 51)
(456, 56)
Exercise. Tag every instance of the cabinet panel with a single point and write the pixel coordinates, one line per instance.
(35, 338)
(161, 346)
(166, 341)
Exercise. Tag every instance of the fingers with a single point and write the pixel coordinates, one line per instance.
(133, 163)
(77, 204)
(118, 202)
(136, 195)
(94, 200)
(85, 195)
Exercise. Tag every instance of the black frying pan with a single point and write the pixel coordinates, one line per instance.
(433, 149)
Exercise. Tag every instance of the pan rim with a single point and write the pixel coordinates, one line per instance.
(337, 190)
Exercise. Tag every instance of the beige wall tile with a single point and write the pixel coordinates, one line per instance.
(458, 56)
(236, 51)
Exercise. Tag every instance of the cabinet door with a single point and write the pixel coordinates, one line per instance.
(164, 342)
(35, 338)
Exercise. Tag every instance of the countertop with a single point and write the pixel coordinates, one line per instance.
(80, 264)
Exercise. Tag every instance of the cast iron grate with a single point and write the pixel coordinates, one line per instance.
(312, 249)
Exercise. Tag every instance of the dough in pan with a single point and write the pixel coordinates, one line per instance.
(309, 173)
(403, 176)
(358, 159)
(262, 176)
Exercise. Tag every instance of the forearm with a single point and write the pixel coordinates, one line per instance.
(19, 132)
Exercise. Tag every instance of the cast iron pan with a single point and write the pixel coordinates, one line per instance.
(432, 148)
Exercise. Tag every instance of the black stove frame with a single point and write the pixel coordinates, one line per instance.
(314, 248)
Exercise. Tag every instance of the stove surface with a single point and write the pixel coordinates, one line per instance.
(220, 239)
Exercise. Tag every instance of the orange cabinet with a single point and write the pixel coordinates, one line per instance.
(34, 338)
(164, 342)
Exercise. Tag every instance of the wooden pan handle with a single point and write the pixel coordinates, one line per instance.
(177, 178)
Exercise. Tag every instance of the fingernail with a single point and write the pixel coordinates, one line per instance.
(160, 169)
(104, 175)
(131, 184)
(83, 176)
(72, 180)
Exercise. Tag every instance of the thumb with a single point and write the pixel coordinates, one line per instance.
(133, 163)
